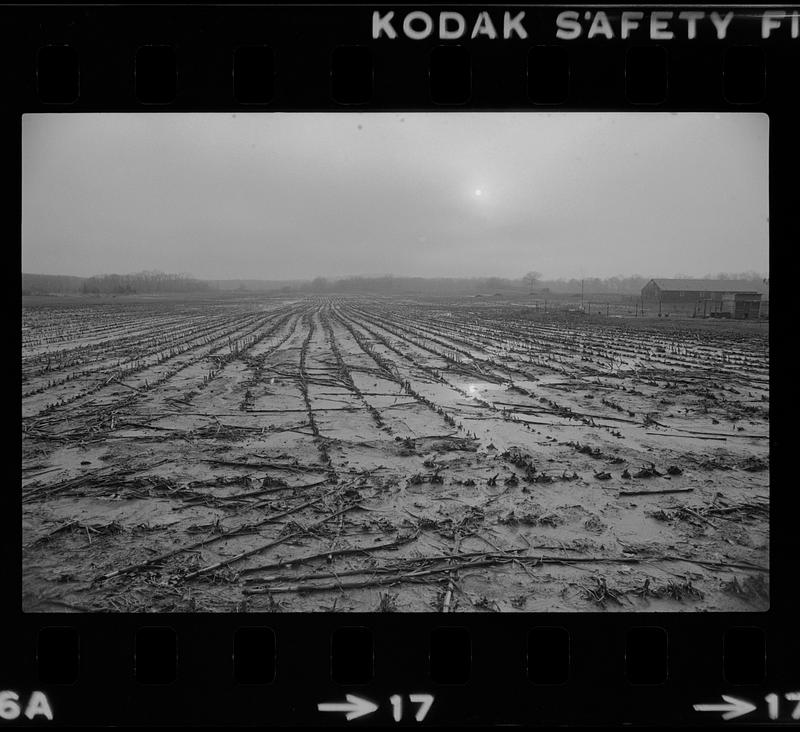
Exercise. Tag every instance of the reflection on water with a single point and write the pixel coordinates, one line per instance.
(478, 390)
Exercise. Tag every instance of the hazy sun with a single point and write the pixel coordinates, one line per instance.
(478, 192)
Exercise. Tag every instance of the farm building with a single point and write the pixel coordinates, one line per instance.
(703, 298)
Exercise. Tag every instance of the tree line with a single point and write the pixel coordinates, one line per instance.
(532, 283)
(141, 283)
(154, 282)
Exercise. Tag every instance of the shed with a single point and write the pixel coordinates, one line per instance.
(703, 298)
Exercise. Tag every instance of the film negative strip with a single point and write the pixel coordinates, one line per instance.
(401, 365)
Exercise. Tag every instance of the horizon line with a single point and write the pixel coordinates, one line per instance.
(310, 278)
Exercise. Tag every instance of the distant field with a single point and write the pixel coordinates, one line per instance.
(355, 453)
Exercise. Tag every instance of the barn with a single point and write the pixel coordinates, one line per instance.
(703, 298)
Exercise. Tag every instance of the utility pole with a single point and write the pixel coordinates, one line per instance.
(581, 294)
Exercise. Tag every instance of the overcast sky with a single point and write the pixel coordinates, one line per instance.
(283, 196)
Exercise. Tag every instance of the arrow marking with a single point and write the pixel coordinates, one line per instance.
(354, 707)
(732, 709)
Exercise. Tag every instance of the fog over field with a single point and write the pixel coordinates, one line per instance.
(218, 416)
(295, 196)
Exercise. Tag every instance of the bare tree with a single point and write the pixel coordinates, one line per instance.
(531, 278)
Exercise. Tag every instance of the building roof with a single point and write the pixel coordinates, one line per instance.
(707, 285)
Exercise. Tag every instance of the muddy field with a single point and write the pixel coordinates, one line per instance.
(357, 454)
